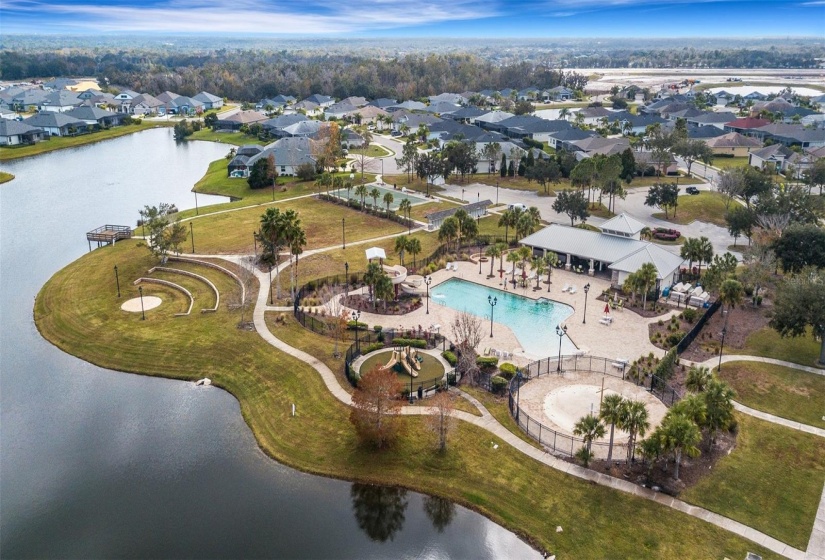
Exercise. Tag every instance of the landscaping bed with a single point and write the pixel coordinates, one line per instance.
(743, 321)
(667, 334)
(402, 305)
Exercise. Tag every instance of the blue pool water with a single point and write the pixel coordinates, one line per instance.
(534, 324)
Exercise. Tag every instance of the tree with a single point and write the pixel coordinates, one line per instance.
(493, 252)
(491, 152)
(409, 157)
(754, 183)
(239, 299)
(611, 412)
(731, 293)
(511, 169)
(440, 420)
(508, 218)
(690, 251)
(589, 428)
(428, 167)
(405, 207)
(704, 251)
(375, 407)
(461, 156)
(371, 276)
(631, 285)
(680, 435)
(635, 421)
(628, 165)
(414, 247)
(375, 194)
(384, 290)
(361, 191)
(176, 235)
(731, 183)
(664, 196)
(543, 171)
(800, 304)
(740, 222)
(524, 107)
(647, 276)
(512, 257)
(718, 398)
(183, 130)
(799, 246)
(551, 260)
(697, 379)
(156, 220)
(503, 166)
(388, 199)
(574, 204)
(262, 174)
(692, 150)
(296, 241)
(449, 230)
(537, 264)
(526, 224)
(815, 175)
(401, 243)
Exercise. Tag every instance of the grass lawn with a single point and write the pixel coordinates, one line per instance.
(649, 181)
(414, 184)
(766, 342)
(60, 142)
(600, 211)
(772, 481)
(786, 392)
(497, 406)
(502, 484)
(373, 150)
(706, 207)
(420, 211)
(678, 241)
(231, 232)
(431, 369)
(5, 177)
(234, 138)
(729, 162)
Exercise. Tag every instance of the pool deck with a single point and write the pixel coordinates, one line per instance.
(627, 337)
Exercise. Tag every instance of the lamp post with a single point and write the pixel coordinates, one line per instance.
(142, 311)
(479, 256)
(462, 195)
(427, 281)
(197, 212)
(496, 192)
(411, 377)
(355, 316)
(117, 280)
(724, 332)
(586, 289)
(192, 235)
(518, 392)
(493, 301)
(270, 284)
(560, 331)
(343, 233)
(346, 280)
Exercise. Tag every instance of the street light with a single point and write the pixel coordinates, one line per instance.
(586, 289)
(346, 281)
(142, 311)
(560, 331)
(192, 235)
(343, 233)
(398, 349)
(270, 284)
(117, 279)
(479, 256)
(493, 301)
(724, 332)
(355, 316)
(496, 192)
(518, 391)
(427, 281)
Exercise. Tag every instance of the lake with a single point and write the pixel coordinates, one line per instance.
(101, 464)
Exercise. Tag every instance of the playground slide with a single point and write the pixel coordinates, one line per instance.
(393, 360)
(412, 355)
(409, 370)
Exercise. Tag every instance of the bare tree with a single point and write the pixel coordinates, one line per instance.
(333, 304)
(467, 330)
(440, 420)
(241, 300)
(375, 407)
(731, 183)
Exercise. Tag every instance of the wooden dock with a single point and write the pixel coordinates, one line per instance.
(108, 235)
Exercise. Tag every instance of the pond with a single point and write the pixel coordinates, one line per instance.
(100, 464)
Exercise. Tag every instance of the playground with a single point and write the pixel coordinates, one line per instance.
(430, 368)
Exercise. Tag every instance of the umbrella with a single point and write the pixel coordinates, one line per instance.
(607, 308)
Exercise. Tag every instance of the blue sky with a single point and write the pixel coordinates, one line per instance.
(421, 18)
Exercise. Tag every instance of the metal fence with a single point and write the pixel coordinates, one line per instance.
(565, 444)
(697, 328)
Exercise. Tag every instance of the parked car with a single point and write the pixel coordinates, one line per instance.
(396, 133)
(692, 190)
(519, 205)
(666, 234)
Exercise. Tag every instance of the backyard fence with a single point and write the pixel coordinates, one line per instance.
(565, 444)
(697, 328)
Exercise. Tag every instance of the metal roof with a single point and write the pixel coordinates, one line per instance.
(623, 223)
(469, 208)
(664, 261)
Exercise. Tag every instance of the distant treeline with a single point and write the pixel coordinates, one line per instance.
(255, 74)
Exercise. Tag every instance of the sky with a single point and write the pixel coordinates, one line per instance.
(420, 18)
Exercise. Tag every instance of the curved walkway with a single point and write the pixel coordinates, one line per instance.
(489, 423)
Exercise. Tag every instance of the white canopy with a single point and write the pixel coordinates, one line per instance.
(376, 253)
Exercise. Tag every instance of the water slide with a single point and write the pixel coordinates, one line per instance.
(414, 285)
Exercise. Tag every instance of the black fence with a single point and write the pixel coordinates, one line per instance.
(697, 328)
(380, 210)
(561, 443)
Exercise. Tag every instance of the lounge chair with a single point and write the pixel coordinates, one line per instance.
(606, 320)
(572, 289)
(566, 287)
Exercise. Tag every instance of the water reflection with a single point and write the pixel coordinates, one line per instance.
(440, 511)
(379, 510)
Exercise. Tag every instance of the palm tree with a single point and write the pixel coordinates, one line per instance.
(348, 186)
(375, 194)
(504, 220)
(647, 233)
(612, 411)
(449, 230)
(704, 252)
(405, 206)
(512, 257)
(718, 406)
(589, 428)
(493, 251)
(503, 247)
(361, 191)
(680, 435)
(647, 276)
(635, 421)
(551, 260)
(538, 265)
(731, 293)
(388, 199)
(401, 243)
(693, 407)
(631, 284)
(697, 379)
(564, 114)
(298, 241)
(414, 247)
(690, 251)
(524, 254)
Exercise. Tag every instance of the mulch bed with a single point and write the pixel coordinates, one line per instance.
(654, 309)
(744, 320)
(401, 306)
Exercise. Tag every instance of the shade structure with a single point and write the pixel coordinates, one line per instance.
(607, 308)
(376, 253)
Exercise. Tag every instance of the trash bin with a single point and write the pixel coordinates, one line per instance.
(420, 392)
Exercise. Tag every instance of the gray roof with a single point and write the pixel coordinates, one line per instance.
(771, 151)
(453, 98)
(88, 113)
(318, 98)
(410, 106)
(249, 150)
(383, 102)
(206, 97)
(623, 223)
(708, 118)
(494, 116)
(283, 121)
(52, 119)
(340, 108)
(443, 107)
(146, 99)
(624, 253)
(15, 128)
(287, 151)
(444, 214)
(467, 113)
(62, 98)
(595, 112)
(303, 128)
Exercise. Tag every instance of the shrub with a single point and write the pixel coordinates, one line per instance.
(351, 325)
(414, 342)
(372, 347)
(660, 322)
(377, 328)
(451, 358)
(486, 361)
(758, 300)
(689, 315)
(451, 378)
(498, 384)
(507, 370)
(674, 338)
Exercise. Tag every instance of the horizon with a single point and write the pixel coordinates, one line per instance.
(427, 19)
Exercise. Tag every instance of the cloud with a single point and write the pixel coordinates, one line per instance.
(247, 16)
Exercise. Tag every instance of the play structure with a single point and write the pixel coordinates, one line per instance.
(406, 358)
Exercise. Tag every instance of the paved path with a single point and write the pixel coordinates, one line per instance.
(489, 423)
(713, 362)
(816, 544)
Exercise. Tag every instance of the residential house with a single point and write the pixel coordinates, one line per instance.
(745, 125)
(492, 118)
(466, 115)
(238, 167)
(528, 94)
(755, 96)
(404, 120)
(563, 139)
(406, 106)
(284, 99)
(637, 124)
(209, 101)
(442, 107)
(144, 104)
(90, 93)
(59, 83)
(60, 101)
(275, 126)
(124, 98)
(723, 98)
(351, 139)
(14, 133)
(308, 108)
(369, 114)
(28, 100)
(182, 105)
(239, 119)
(645, 162)
(355, 101)
(733, 144)
(321, 100)
(452, 98)
(95, 116)
(703, 132)
(593, 115)
(558, 93)
(289, 154)
(338, 110)
(596, 145)
(775, 158)
(303, 129)
(447, 130)
(383, 102)
(791, 135)
(718, 120)
(268, 105)
(56, 124)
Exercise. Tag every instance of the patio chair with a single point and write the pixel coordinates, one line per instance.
(606, 320)
(572, 289)
(566, 288)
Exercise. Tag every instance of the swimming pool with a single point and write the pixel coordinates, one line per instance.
(397, 197)
(533, 323)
